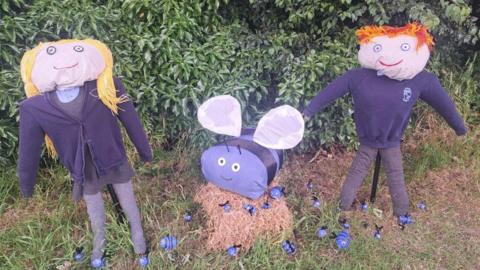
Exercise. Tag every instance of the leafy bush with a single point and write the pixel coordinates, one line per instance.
(172, 55)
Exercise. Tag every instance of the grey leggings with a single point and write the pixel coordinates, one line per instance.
(96, 213)
(392, 163)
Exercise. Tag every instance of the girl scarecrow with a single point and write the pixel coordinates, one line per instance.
(384, 90)
(74, 102)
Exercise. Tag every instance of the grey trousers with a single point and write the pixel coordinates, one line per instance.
(96, 213)
(393, 166)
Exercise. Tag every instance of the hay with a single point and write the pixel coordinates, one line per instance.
(238, 227)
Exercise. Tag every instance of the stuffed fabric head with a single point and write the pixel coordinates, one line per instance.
(399, 53)
(60, 66)
(69, 63)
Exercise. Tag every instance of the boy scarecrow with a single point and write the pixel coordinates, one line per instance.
(384, 90)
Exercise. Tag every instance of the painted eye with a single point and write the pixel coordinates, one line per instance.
(235, 167)
(221, 161)
(78, 48)
(377, 47)
(51, 50)
(405, 47)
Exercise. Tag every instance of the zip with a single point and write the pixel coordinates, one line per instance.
(93, 158)
(83, 154)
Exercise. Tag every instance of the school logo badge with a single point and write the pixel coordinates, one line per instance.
(407, 94)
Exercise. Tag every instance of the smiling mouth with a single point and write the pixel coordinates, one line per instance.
(390, 65)
(226, 178)
(72, 66)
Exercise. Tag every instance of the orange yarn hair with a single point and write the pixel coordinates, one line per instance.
(415, 29)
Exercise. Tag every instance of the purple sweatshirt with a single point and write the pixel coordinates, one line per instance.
(382, 105)
(97, 128)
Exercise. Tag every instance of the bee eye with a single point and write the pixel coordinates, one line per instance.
(377, 47)
(78, 48)
(235, 167)
(221, 161)
(405, 47)
(51, 50)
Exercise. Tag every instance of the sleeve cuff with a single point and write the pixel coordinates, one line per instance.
(461, 132)
(27, 193)
(307, 113)
(146, 158)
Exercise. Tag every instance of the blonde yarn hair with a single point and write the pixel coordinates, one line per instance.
(105, 85)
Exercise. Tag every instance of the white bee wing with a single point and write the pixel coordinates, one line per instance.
(280, 128)
(222, 115)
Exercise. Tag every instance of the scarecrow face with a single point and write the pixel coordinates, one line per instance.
(396, 57)
(60, 66)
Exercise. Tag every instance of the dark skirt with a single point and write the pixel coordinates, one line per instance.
(94, 183)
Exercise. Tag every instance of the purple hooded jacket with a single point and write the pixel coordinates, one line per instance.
(97, 128)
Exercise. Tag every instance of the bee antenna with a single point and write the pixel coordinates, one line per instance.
(223, 204)
(225, 142)
(238, 147)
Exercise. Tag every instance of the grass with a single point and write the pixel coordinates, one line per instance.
(441, 169)
(43, 232)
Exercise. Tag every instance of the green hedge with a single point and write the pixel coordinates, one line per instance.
(174, 54)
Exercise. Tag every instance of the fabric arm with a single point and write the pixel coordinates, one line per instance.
(130, 120)
(336, 89)
(31, 140)
(437, 97)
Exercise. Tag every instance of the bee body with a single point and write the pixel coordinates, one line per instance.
(241, 166)
(288, 247)
(343, 240)
(277, 192)
(364, 206)
(168, 242)
(250, 209)
(78, 254)
(422, 206)
(322, 232)
(316, 202)
(233, 250)
(247, 162)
